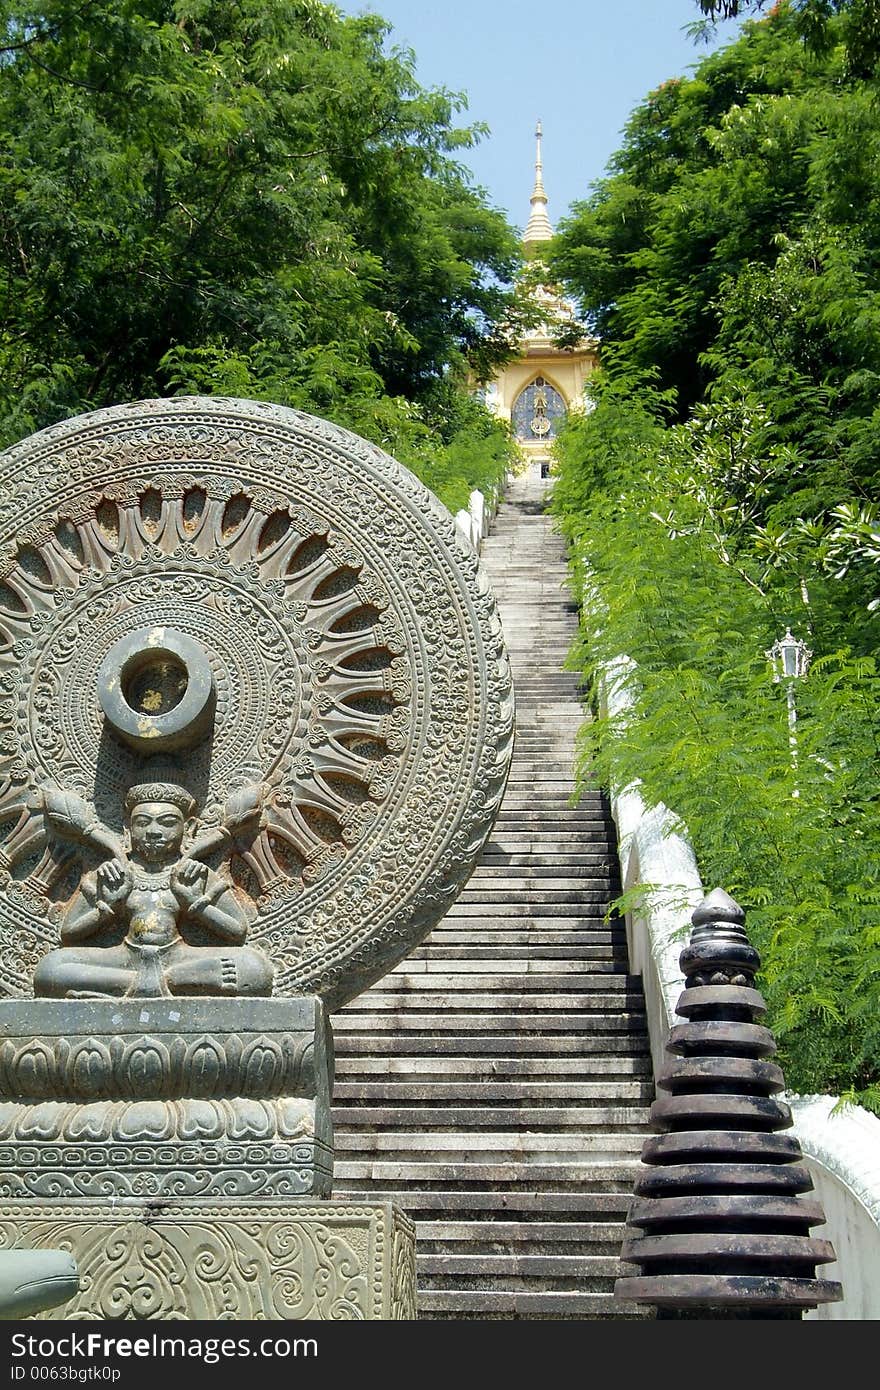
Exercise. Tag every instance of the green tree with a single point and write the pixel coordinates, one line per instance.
(257, 196)
(860, 26)
(674, 568)
(724, 486)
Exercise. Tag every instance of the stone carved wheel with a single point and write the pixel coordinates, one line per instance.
(344, 633)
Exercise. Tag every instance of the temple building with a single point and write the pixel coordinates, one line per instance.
(537, 389)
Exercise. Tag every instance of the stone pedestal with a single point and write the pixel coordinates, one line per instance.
(180, 1149)
(164, 1098)
(293, 1260)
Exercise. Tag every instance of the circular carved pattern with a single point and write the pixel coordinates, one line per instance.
(256, 655)
(355, 650)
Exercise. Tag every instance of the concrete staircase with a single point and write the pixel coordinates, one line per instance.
(496, 1084)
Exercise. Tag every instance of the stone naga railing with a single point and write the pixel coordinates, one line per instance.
(841, 1146)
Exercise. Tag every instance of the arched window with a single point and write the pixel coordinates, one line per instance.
(538, 411)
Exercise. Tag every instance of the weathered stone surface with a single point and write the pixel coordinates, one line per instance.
(165, 1098)
(718, 1222)
(351, 720)
(229, 1261)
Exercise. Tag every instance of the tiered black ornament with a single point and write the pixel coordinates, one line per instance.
(719, 1226)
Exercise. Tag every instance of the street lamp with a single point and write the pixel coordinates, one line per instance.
(790, 658)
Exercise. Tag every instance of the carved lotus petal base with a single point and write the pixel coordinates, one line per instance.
(228, 1261)
(162, 1049)
(200, 1097)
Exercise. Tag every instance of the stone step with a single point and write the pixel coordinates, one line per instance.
(500, 1149)
(577, 856)
(524, 973)
(537, 858)
(510, 1091)
(538, 1202)
(538, 772)
(546, 677)
(537, 701)
(546, 733)
(540, 743)
(421, 973)
(556, 850)
(595, 891)
(517, 916)
(543, 781)
(518, 1303)
(554, 813)
(481, 1068)
(602, 1050)
(494, 879)
(612, 1016)
(569, 1127)
(438, 953)
(539, 1237)
(465, 1003)
(592, 826)
(548, 702)
(531, 909)
(540, 937)
(559, 766)
(593, 895)
(544, 743)
(554, 802)
(592, 840)
(484, 1271)
(540, 739)
(558, 810)
(552, 770)
(532, 932)
(558, 694)
(602, 1175)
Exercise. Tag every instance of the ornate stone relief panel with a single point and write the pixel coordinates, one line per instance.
(361, 696)
(229, 1261)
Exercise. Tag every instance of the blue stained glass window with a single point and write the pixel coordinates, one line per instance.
(538, 411)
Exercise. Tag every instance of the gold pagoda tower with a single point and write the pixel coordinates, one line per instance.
(536, 390)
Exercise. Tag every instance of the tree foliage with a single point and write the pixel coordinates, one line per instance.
(252, 196)
(724, 486)
(859, 27)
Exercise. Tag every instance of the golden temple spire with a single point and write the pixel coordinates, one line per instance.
(538, 228)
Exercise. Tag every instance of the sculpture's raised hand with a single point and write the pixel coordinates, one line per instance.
(189, 880)
(114, 882)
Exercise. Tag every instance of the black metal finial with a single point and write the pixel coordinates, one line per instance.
(719, 1224)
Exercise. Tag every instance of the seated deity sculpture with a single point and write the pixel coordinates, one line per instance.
(150, 895)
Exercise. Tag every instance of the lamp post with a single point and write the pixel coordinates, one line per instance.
(790, 657)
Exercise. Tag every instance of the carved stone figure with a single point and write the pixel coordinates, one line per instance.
(151, 896)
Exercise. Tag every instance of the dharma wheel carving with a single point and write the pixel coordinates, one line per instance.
(290, 619)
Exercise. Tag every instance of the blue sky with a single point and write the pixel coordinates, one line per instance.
(579, 65)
